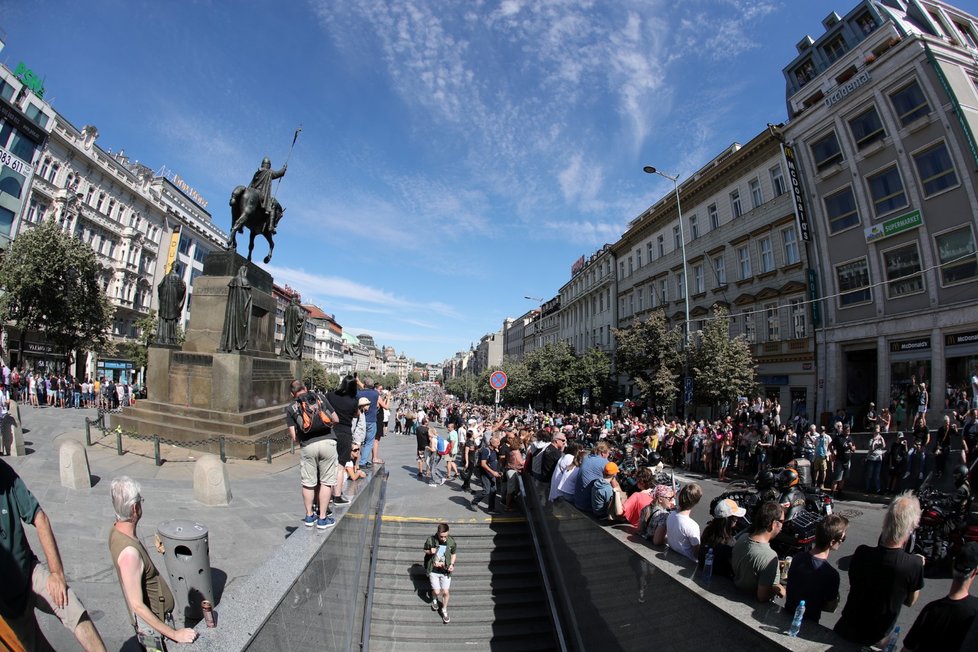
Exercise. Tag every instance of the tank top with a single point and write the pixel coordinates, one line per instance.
(156, 592)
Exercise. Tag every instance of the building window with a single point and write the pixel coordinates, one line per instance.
(902, 266)
(790, 238)
(664, 291)
(662, 245)
(89, 195)
(621, 270)
(835, 48)
(680, 286)
(826, 151)
(641, 299)
(750, 332)
(756, 196)
(714, 216)
(631, 268)
(11, 183)
(956, 251)
(840, 209)
(720, 270)
(676, 238)
(53, 174)
(799, 319)
(935, 169)
(967, 35)
(638, 258)
(909, 103)
(653, 297)
(853, 282)
(867, 128)
(886, 188)
(100, 202)
(649, 251)
(184, 246)
(35, 212)
(694, 229)
(743, 255)
(773, 322)
(767, 255)
(699, 282)
(735, 207)
(805, 72)
(45, 167)
(866, 23)
(777, 180)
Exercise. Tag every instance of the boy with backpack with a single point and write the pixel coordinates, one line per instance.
(310, 420)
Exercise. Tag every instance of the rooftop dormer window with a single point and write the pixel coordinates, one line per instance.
(835, 49)
(805, 72)
(866, 23)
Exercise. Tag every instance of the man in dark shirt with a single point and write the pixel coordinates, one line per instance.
(370, 393)
(883, 578)
(422, 435)
(488, 464)
(943, 624)
(843, 448)
(811, 577)
(551, 455)
(317, 456)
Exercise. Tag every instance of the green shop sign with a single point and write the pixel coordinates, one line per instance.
(893, 226)
(30, 79)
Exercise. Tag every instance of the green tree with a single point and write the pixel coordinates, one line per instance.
(389, 380)
(332, 382)
(413, 377)
(592, 372)
(51, 284)
(314, 375)
(549, 370)
(648, 353)
(723, 367)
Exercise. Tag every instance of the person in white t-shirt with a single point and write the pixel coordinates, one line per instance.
(974, 387)
(682, 532)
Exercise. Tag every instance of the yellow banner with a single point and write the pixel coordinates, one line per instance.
(171, 255)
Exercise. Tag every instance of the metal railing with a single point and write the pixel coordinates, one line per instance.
(372, 573)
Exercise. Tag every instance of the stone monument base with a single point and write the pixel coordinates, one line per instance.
(198, 394)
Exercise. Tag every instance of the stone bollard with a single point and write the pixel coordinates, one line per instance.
(75, 473)
(11, 432)
(211, 483)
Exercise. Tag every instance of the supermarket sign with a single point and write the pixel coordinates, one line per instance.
(892, 227)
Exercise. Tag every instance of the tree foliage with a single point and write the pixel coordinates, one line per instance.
(414, 377)
(649, 355)
(314, 376)
(51, 284)
(723, 368)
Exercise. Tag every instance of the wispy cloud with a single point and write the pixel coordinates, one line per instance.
(319, 286)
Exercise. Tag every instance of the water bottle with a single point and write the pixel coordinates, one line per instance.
(708, 566)
(796, 621)
(891, 643)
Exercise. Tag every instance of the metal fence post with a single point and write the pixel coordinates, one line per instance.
(268, 450)
(224, 457)
(118, 442)
(156, 450)
(88, 432)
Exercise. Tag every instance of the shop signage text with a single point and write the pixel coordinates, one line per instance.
(851, 85)
(577, 266)
(953, 339)
(919, 344)
(891, 227)
(30, 79)
(794, 179)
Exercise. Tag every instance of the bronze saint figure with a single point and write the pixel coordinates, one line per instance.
(237, 316)
(172, 292)
(255, 207)
(295, 326)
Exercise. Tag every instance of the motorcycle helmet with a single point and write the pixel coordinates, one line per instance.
(787, 478)
(765, 480)
(960, 474)
(654, 458)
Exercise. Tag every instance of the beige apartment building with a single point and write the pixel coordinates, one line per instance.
(743, 251)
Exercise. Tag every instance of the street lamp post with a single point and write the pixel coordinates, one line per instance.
(537, 324)
(648, 169)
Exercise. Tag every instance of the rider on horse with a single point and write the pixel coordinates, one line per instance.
(262, 182)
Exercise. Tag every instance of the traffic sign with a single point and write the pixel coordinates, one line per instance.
(498, 380)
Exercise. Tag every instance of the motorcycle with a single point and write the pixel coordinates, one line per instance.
(805, 507)
(943, 530)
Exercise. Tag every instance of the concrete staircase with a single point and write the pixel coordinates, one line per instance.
(497, 600)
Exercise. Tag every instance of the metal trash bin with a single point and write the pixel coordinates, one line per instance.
(188, 564)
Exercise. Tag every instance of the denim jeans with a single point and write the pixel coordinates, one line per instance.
(434, 459)
(368, 443)
(873, 468)
(488, 489)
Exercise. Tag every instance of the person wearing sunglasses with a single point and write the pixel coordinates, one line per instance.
(811, 577)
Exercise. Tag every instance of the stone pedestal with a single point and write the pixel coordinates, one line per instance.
(212, 486)
(75, 472)
(197, 393)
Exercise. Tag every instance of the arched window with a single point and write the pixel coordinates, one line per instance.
(54, 172)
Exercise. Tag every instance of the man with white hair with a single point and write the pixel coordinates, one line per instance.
(883, 578)
(27, 584)
(147, 595)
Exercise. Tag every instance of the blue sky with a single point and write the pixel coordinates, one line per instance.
(455, 156)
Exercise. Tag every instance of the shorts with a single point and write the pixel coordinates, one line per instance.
(343, 449)
(820, 464)
(380, 430)
(317, 463)
(512, 481)
(841, 471)
(422, 454)
(922, 410)
(440, 581)
(26, 627)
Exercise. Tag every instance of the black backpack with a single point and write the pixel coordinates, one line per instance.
(313, 418)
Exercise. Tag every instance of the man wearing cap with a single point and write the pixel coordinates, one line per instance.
(811, 577)
(603, 494)
(943, 624)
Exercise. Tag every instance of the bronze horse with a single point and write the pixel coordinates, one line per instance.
(246, 210)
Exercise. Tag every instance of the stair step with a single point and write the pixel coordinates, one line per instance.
(473, 557)
(474, 614)
(486, 584)
(459, 634)
(527, 598)
(494, 644)
(413, 568)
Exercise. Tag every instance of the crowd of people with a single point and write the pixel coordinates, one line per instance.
(63, 390)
